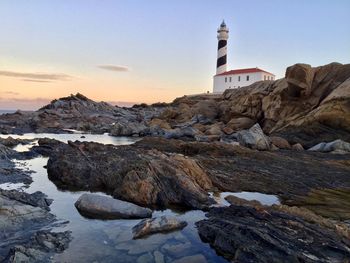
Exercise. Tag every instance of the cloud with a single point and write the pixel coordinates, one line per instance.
(36, 76)
(37, 80)
(116, 68)
(8, 92)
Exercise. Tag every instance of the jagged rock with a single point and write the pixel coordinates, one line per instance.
(249, 234)
(337, 146)
(11, 142)
(37, 199)
(21, 220)
(157, 225)
(98, 206)
(254, 138)
(145, 177)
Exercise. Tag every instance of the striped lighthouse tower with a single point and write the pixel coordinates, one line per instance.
(221, 64)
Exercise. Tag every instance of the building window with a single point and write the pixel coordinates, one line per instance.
(239, 78)
(230, 79)
(248, 78)
(225, 79)
(264, 77)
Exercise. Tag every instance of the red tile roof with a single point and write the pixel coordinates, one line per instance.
(242, 71)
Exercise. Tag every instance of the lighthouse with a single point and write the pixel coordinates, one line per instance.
(221, 65)
(236, 78)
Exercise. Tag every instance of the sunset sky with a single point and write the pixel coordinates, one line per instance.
(147, 51)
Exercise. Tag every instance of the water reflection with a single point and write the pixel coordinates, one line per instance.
(111, 240)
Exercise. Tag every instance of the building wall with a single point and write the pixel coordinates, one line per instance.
(233, 81)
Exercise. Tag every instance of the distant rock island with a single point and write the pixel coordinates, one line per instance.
(288, 137)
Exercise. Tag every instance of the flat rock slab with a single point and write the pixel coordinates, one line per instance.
(263, 234)
(157, 225)
(104, 207)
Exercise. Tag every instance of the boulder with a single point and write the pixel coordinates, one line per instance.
(297, 147)
(237, 124)
(280, 142)
(98, 206)
(337, 146)
(254, 138)
(157, 225)
(160, 123)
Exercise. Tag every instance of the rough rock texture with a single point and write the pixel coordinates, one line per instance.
(21, 222)
(337, 146)
(156, 225)
(145, 177)
(9, 173)
(254, 138)
(98, 206)
(80, 113)
(280, 142)
(249, 234)
(162, 172)
(310, 105)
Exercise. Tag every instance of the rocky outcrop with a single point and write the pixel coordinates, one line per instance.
(22, 218)
(145, 177)
(157, 225)
(103, 207)
(80, 113)
(251, 234)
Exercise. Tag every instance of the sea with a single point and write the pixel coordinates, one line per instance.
(6, 111)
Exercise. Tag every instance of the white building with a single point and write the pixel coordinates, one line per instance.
(234, 78)
(239, 78)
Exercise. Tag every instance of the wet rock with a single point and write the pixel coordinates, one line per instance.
(40, 247)
(254, 138)
(234, 200)
(145, 258)
(97, 206)
(175, 250)
(337, 146)
(248, 234)
(158, 257)
(157, 225)
(21, 234)
(37, 199)
(198, 258)
(11, 142)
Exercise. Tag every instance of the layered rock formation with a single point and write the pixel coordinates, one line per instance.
(262, 234)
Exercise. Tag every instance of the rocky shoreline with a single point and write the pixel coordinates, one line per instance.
(288, 137)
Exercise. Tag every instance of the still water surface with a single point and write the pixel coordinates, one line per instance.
(111, 240)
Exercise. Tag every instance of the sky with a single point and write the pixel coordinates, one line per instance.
(134, 51)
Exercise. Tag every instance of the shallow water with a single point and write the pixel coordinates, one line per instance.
(264, 199)
(110, 240)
